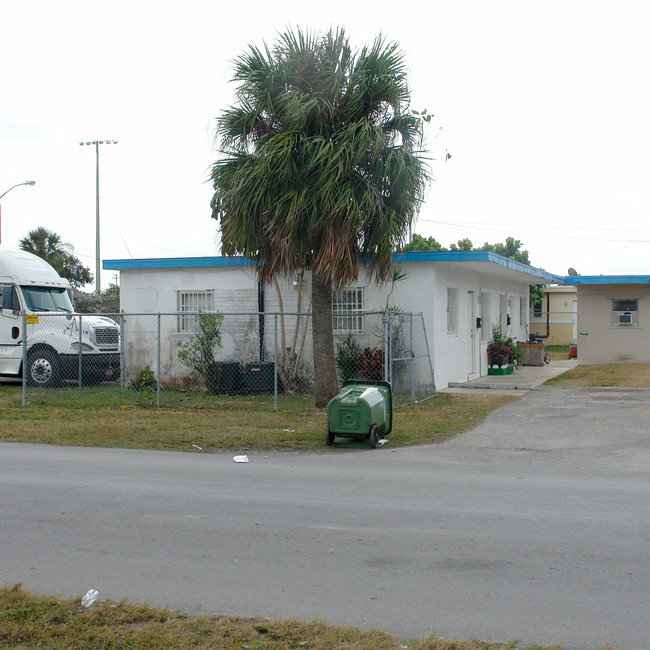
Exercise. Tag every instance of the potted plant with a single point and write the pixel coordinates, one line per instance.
(502, 353)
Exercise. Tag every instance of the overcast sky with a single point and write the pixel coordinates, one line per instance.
(544, 108)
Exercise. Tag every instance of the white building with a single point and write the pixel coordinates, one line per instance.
(461, 295)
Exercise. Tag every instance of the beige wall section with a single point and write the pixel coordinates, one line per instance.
(601, 342)
(558, 301)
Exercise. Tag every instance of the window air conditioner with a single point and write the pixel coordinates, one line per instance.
(625, 318)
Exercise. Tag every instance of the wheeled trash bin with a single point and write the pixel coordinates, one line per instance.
(363, 409)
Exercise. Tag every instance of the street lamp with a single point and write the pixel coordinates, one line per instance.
(98, 261)
(7, 192)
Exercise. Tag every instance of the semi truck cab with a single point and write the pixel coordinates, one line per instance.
(36, 310)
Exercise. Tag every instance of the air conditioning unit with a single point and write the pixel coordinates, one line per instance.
(625, 318)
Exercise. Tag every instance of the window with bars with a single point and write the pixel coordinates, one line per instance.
(347, 306)
(452, 310)
(189, 304)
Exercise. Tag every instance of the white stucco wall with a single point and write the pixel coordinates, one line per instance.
(146, 292)
(457, 356)
(601, 341)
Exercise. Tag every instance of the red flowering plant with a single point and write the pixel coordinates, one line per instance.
(502, 350)
(370, 363)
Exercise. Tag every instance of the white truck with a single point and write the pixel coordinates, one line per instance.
(33, 297)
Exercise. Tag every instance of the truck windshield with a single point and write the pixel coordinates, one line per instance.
(46, 299)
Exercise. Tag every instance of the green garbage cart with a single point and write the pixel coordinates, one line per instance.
(363, 409)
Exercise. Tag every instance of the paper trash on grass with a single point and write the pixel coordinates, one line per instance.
(197, 447)
(90, 598)
(381, 442)
(240, 459)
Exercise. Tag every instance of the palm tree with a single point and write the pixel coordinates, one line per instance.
(320, 168)
(44, 243)
(48, 245)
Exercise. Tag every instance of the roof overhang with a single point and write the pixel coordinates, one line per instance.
(607, 279)
(485, 262)
(174, 263)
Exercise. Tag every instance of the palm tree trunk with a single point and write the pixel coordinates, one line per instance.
(325, 386)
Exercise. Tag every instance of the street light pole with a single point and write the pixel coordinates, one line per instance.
(98, 259)
(7, 192)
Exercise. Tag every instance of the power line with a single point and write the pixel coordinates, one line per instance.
(519, 233)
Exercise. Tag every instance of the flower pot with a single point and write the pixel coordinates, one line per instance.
(506, 370)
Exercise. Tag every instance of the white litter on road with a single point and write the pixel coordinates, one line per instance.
(240, 459)
(90, 598)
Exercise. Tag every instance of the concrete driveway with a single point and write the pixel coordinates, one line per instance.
(555, 427)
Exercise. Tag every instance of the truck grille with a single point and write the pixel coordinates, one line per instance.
(107, 337)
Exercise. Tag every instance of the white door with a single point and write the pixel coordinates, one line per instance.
(11, 325)
(474, 335)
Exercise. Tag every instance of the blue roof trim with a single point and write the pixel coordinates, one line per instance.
(174, 263)
(478, 256)
(414, 256)
(607, 279)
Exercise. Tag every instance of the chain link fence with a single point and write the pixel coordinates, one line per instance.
(195, 358)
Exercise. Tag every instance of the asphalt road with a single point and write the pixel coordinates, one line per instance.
(534, 526)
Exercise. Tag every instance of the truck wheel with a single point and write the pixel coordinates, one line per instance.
(374, 436)
(329, 437)
(43, 369)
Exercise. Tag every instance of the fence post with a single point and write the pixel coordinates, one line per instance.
(122, 321)
(387, 353)
(79, 356)
(25, 368)
(275, 364)
(411, 360)
(426, 343)
(158, 364)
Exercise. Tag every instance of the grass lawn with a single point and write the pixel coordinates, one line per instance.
(216, 423)
(29, 621)
(631, 375)
(557, 352)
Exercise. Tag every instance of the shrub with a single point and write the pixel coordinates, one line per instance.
(198, 352)
(502, 350)
(347, 352)
(144, 380)
(370, 364)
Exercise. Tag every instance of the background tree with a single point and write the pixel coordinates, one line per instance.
(49, 246)
(510, 248)
(107, 302)
(419, 243)
(321, 167)
(462, 245)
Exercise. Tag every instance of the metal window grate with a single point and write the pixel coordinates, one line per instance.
(346, 306)
(193, 302)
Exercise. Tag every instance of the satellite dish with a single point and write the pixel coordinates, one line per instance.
(572, 271)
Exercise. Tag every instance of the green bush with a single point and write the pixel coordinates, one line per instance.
(347, 353)
(144, 380)
(198, 352)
